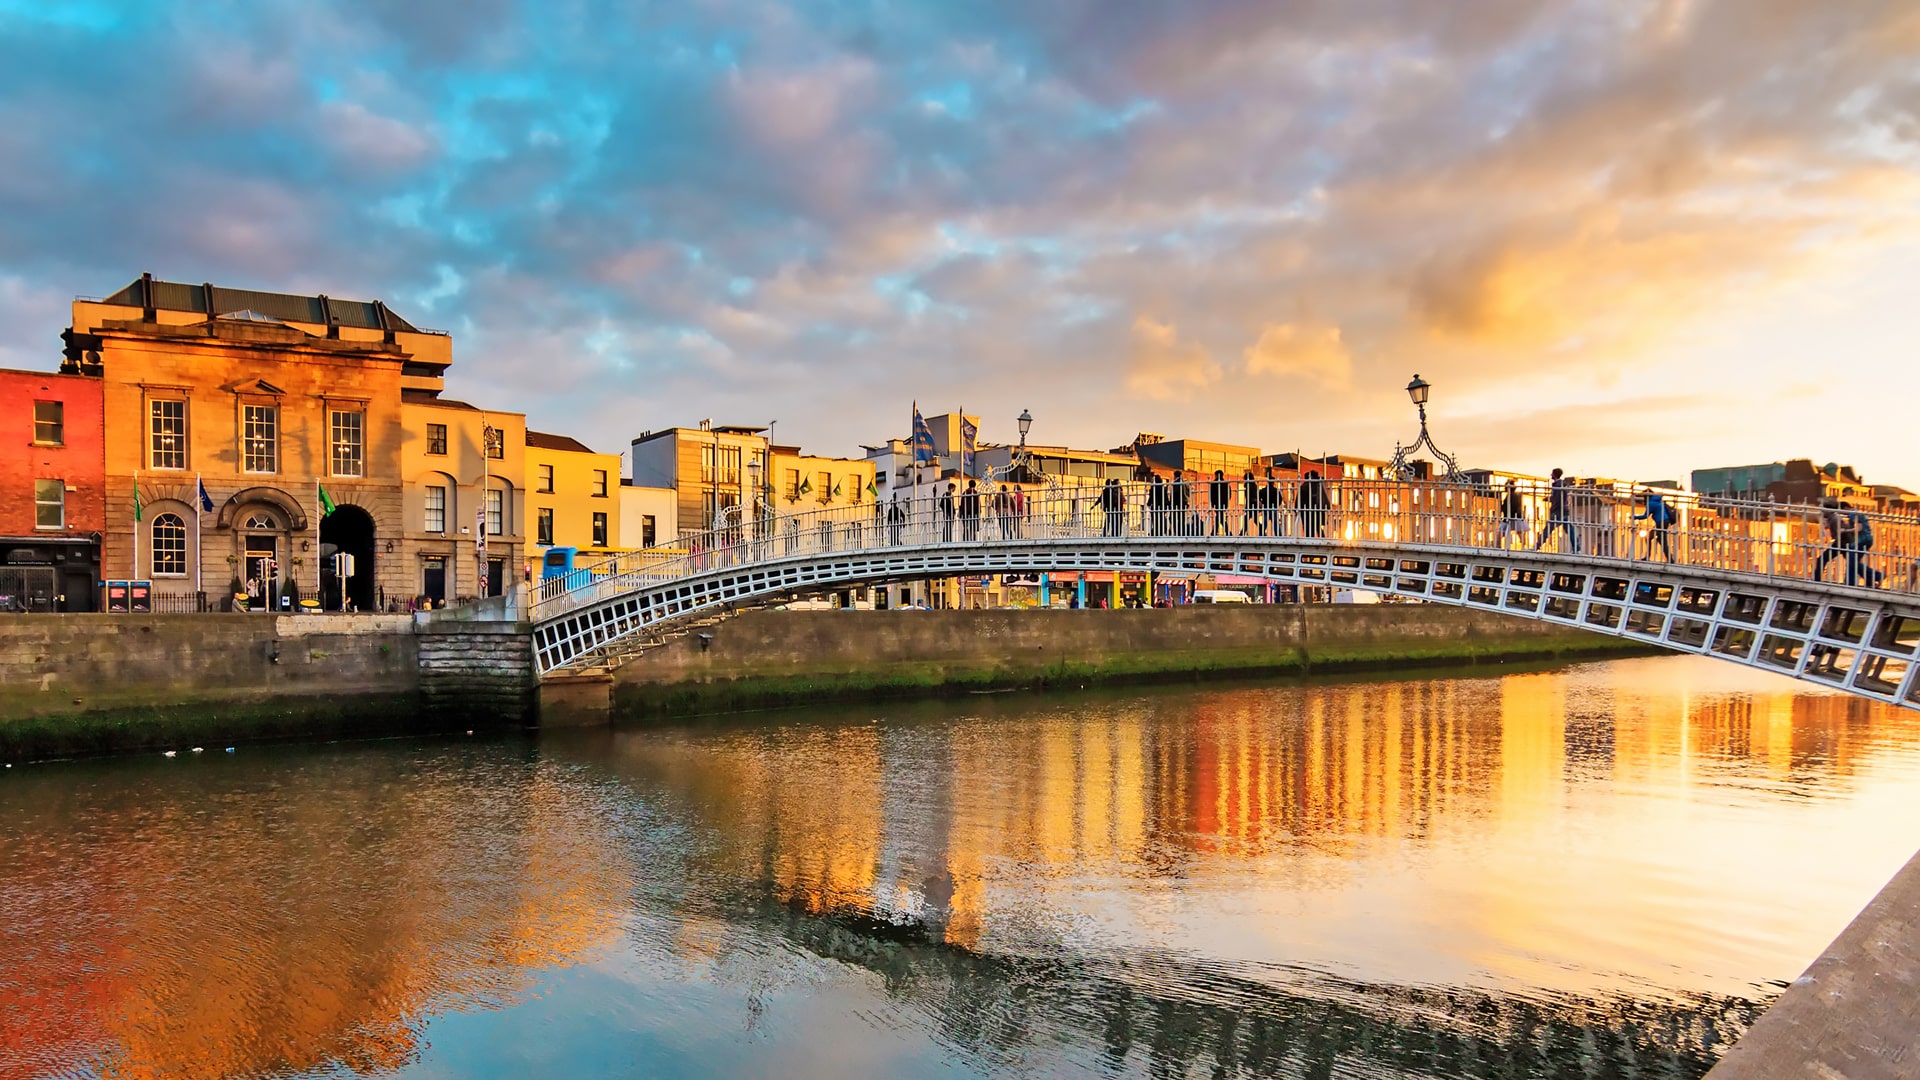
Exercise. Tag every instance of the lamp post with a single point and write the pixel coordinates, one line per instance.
(1401, 467)
(1020, 456)
(490, 437)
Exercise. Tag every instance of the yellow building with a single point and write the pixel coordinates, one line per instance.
(465, 481)
(710, 468)
(574, 499)
(803, 482)
(263, 399)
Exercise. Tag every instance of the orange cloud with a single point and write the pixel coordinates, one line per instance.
(1163, 367)
(1301, 351)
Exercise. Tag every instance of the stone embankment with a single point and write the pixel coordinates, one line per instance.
(95, 683)
(771, 658)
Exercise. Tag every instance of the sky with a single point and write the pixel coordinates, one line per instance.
(1626, 237)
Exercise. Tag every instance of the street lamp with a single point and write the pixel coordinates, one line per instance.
(1402, 466)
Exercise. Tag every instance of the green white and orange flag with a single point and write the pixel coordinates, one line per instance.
(326, 501)
(138, 507)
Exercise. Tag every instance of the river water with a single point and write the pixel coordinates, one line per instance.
(1602, 870)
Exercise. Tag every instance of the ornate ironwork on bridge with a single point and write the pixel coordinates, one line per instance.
(1743, 582)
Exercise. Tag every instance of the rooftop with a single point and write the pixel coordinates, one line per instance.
(541, 440)
(219, 300)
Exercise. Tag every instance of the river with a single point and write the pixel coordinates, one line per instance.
(1601, 870)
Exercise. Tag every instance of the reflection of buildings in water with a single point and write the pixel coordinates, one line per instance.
(223, 950)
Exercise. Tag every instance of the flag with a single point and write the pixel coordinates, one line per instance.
(806, 485)
(872, 489)
(137, 505)
(838, 486)
(922, 438)
(206, 500)
(969, 432)
(326, 501)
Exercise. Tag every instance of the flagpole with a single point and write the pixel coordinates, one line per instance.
(199, 553)
(136, 524)
(320, 600)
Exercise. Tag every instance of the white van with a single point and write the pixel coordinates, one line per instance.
(1220, 596)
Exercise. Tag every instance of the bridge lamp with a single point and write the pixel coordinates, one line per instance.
(1418, 390)
(1026, 425)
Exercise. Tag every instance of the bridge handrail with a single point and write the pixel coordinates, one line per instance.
(1605, 520)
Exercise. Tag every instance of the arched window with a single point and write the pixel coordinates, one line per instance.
(262, 521)
(169, 545)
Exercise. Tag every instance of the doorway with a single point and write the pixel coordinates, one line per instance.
(496, 573)
(261, 567)
(433, 579)
(347, 531)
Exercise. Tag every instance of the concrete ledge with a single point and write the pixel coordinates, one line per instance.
(1855, 1014)
(576, 701)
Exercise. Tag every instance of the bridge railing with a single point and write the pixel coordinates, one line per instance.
(1611, 522)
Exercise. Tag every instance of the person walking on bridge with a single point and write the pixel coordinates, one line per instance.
(1113, 507)
(1270, 506)
(1836, 527)
(1513, 515)
(1859, 537)
(1659, 517)
(1219, 497)
(1559, 513)
(1157, 500)
(970, 512)
(946, 515)
(1313, 506)
(1182, 504)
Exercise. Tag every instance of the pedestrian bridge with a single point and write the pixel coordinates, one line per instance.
(1761, 584)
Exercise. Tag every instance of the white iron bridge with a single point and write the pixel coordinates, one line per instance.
(1830, 597)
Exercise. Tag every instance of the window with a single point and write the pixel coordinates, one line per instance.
(261, 424)
(720, 464)
(495, 502)
(436, 509)
(349, 435)
(262, 522)
(600, 529)
(168, 427)
(543, 525)
(49, 423)
(169, 546)
(853, 483)
(824, 489)
(647, 535)
(49, 504)
(546, 478)
(599, 483)
(793, 484)
(437, 440)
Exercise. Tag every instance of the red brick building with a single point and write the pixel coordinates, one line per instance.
(52, 491)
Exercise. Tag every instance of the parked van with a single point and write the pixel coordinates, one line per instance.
(1220, 596)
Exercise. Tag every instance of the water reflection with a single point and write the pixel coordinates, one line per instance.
(1601, 871)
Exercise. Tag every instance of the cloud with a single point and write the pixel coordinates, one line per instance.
(1313, 353)
(1164, 368)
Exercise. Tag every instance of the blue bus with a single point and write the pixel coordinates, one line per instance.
(558, 563)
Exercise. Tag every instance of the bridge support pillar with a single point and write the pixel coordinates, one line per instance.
(576, 701)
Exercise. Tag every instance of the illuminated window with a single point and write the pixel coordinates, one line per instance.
(600, 530)
(436, 510)
(49, 504)
(169, 546)
(349, 442)
(543, 526)
(261, 425)
(600, 483)
(495, 514)
(167, 426)
(546, 478)
(436, 439)
(49, 423)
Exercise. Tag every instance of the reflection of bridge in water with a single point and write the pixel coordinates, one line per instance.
(1175, 1016)
(1745, 583)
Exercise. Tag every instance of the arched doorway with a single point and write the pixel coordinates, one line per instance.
(347, 531)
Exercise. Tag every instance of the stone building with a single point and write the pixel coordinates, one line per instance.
(464, 473)
(227, 413)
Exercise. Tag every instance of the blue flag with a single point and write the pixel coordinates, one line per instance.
(206, 500)
(969, 432)
(922, 438)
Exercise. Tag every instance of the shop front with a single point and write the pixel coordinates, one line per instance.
(46, 573)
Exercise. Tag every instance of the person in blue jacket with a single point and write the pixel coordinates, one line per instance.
(1660, 518)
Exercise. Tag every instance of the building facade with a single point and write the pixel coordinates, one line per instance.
(464, 473)
(708, 467)
(649, 516)
(573, 497)
(52, 491)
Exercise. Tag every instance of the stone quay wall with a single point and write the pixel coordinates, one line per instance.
(94, 683)
(769, 658)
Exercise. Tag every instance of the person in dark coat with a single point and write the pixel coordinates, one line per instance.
(1113, 505)
(947, 510)
(970, 511)
(1270, 505)
(1157, 502)
(1219, 498)
(1559, 513)
(1313, 506)
(1182, 503)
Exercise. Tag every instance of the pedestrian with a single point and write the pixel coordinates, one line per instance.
(1182, 503)
(946, 515)
(1270, 506)
(1859, 542)
(896, 520)
(1113, 508)
(970, 512)
(997, 508)
(1156, 506)
(1659, 517)
(1313, 506)
(1559, 513)
(1513, 514)
(1019, 511)
(1249, 504)
(1219, 497)
(1836, 528)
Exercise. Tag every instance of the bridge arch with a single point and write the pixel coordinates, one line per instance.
(1864, 641)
